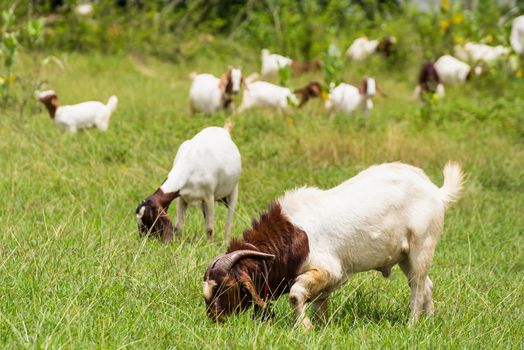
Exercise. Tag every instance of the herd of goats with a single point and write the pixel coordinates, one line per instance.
(310, 241)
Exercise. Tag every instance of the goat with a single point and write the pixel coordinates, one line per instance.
(271, 63)
(346, 98)
(517, 35)
(481, 53)
(452, 70)
(429, 81)
(311, 241)
(80, 116)
(206, 169)
(209, 94)
(264, 94)
(362, 48)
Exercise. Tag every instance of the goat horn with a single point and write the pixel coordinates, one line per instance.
(227, 261)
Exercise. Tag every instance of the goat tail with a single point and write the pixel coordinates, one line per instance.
(112, 103)
(192, 75)
(228, 125)
(453, 183)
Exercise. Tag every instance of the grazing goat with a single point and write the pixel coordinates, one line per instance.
(209, 94)
(264, 94)
(429, 81)
(362, 48)
(452, 71)
(311, 241)
(346, 98)
(80, 116)
(517, 35)
(271, 63)
(481, 53)
(206, 169)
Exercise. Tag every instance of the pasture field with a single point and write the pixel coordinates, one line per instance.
(75, 274)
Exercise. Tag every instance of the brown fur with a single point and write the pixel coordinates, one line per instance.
(299, 67)
(311, 90)
(51, 103)
(385, 46)
(156, 221)
(272, 234)
(363, 87)
(428, 78)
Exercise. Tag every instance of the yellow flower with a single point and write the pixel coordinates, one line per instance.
(444, 4)
(10, 79)
(289, 121)
(488, 38)
(458, 39)
(457, 18)
(2, 80)
(519, 73)
(444, 24)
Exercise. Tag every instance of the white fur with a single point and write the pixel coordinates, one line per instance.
(452, 70)
(83, 115)
(517, 35)
(206, 168)
(361, 49)
(205, 94)
(264, 94)
(387, 214)
(271, 63)
(481, 53)
(346, 98)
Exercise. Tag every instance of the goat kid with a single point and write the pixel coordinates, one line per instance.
(209, 94)
(362, 47)
(206, 169)
(80, 116)
(271, 63)
(481, 53)
(346, 98)
(311, 241)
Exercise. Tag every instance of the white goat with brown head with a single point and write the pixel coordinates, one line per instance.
(209, 94)
(206, 169)
(311, 241)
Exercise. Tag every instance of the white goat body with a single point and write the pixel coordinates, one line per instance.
(264, 94)
(481, 53)
(517, 35)
(346, 98)
(271, 63)
(452, 70)
(388, 214)
(206, 169)
(361, 49)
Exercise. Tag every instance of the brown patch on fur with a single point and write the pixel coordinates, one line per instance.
(311, 90)
(154, 219)
(363, 87)
(51, 103)
(428, 78)
(271, 234)
(299, 67)
(385, 46)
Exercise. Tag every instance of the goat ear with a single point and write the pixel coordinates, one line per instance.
(248, 284)
(223, 83)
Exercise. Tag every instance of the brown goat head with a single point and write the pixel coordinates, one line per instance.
(50, 100)
(228, 289)
(311, 90)
(152, 216)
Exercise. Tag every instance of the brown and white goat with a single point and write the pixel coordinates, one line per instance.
(209, 94)
(311, 241)
(206, 169)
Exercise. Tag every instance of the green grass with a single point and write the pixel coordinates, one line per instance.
(75, 274)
